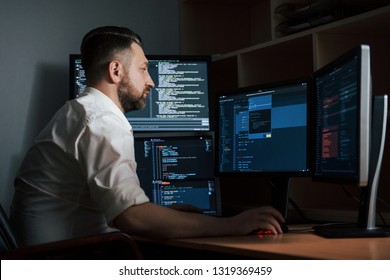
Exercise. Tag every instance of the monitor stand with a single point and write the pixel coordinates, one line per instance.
(280, 194)
(366, 226)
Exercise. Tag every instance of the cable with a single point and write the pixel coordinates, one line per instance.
(379, 214)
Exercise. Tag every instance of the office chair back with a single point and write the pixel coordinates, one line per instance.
(112, 245)
(8, 240)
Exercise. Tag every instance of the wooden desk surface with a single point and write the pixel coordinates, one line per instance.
(292, 245)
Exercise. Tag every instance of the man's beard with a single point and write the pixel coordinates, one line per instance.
(126, 98)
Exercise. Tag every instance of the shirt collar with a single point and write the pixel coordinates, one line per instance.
(108, 103)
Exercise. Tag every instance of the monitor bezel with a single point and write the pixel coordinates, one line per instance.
(276, 173)
(364, 103)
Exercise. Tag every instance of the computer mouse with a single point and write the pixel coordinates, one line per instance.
(261, 232)
(266, 232)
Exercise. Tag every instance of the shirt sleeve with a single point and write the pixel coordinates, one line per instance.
(106, 151)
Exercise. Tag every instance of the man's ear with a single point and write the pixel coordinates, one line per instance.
(115, 71)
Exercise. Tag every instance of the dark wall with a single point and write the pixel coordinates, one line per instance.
(36, 38)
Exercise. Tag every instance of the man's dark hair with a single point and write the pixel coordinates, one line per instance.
(100, 45)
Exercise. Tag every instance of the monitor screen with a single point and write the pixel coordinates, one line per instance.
(77, 79)
(264, 129)
(179, 101)
(342, 116)
(178, 168)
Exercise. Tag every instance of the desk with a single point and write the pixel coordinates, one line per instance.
(292, 245)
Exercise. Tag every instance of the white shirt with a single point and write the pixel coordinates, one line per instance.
(79, 175)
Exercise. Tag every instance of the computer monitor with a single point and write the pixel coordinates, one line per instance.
(178, 168)
(179, 101)
(343, 119)
(263, 131)
(345, 149)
